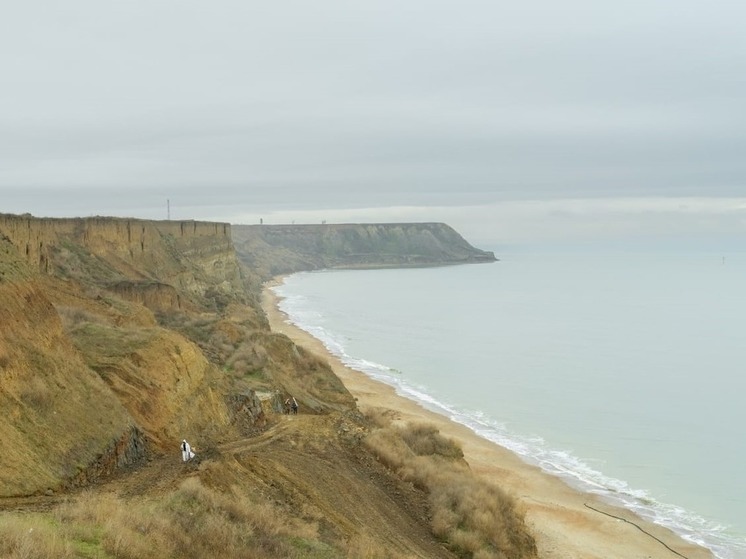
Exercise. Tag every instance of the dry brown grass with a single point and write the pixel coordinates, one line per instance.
(192, 522)
(247, 360)
(72, 317)
(36, 393)
(472, 516)
(236, 351)
(367, 546)
(426, 440)
(31, 537)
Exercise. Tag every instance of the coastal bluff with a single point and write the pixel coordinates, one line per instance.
(282, 249)
(94, 372)
(119, 334)
(121, 337)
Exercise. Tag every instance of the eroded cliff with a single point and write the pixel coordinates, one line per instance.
(120, 335)
(194, 257)
(59, 417)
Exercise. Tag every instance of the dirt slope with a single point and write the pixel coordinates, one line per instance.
(316, 464)
(311, 466)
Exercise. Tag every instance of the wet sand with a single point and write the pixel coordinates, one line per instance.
(562, 519)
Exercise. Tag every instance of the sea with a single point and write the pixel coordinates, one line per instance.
(623, 371)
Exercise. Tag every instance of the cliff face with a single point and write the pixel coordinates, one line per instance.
(191, 256)
(279, 249)
(59, 417)
(120, 335)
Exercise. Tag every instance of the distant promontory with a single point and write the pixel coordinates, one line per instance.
(282, 249)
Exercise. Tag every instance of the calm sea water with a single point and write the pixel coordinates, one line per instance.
(622, 372)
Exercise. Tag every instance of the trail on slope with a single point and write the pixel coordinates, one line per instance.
(308, 465)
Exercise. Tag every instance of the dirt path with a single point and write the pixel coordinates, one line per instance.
(308, 465)
(158, 474)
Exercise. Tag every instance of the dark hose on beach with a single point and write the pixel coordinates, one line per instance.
(641, 530)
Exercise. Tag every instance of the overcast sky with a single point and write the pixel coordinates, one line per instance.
(512, 121)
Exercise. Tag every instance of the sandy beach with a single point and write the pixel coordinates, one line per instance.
(566, 523)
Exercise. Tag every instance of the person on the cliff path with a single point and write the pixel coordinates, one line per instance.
(294, 405)
(186, 451)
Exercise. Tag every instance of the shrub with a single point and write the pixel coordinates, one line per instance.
(426, 440)
(380, 417)
(474, 517)
(245, 360)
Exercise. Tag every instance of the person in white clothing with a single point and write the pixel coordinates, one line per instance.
(186, 451)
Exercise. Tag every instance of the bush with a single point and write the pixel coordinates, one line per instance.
(245, 360)
(474, 517)
(426, 440)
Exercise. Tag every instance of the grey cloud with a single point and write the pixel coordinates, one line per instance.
(113, 108)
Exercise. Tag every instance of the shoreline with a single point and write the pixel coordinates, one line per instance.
(567, 523)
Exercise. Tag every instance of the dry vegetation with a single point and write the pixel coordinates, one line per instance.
(228, 345)
(472, 516)
(72, 317)
(323, 484)
(36, 393)
(196, 519)
(193, 522)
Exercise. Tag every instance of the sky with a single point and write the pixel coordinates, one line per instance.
(514, 122)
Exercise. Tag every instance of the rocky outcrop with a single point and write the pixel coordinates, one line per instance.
(127, 450)
(246, 410)
(155, 295)
(280, 249)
